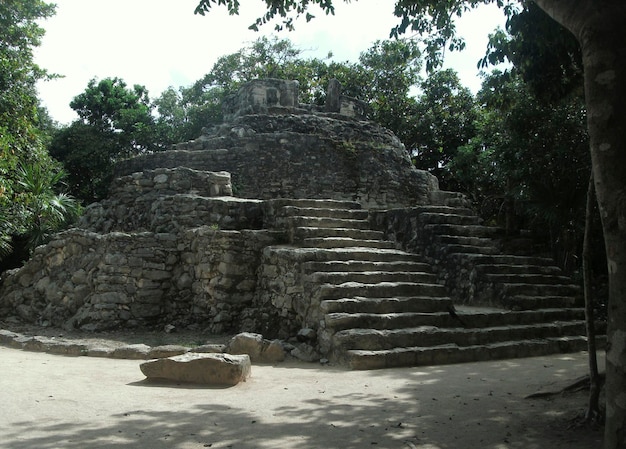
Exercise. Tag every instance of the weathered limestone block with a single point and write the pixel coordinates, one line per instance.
(333, 96)
(200, 368)
(306, 353)
(136, 352)
(259, 349)
(352, 107)
(160, 352)
(258, 96)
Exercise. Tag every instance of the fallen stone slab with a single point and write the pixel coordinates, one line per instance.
(36, 343)
(99, 351)
(161, 352)
(200, 368)
(67, 348)
(136, 351)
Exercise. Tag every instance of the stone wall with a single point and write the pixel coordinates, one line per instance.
(283, 293)
(223, 269)
(204, 277)
(92, 281)
(170, 200)
(344, 160)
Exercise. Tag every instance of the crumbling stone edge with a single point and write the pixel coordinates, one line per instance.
(78, 348)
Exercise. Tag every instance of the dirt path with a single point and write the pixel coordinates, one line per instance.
(51, 401)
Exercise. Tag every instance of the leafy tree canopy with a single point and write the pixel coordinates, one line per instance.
(544, 53)
(528, 150)
(431, 19)
(115, 122)
(112, 107)
(30, 207)
(19, 33)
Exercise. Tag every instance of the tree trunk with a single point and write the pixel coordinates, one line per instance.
(593, 413)
(599, 28)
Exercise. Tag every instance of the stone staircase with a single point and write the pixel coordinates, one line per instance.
(470, 262)
(382, 307)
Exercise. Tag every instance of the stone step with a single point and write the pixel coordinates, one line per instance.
(424, 336)
(342, 320)
(504, 259)
(312, 232)
(349, 214)
(356, 265)
(526, 278)
(360, 254)
(450, 353)
(495, 269)
(379, 290)
(528, 302)
(466, 240)
(313, 203)
(371, 277)
(471, 249)
(455, 210)
(383, 307)
(359, 304)
(341, 242)
(324, 222)
(463, 230)
(521, 288)
(451, 219)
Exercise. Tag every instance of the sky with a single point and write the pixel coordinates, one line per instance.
(162, 43)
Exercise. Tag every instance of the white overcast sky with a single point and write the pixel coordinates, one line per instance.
(161, 43)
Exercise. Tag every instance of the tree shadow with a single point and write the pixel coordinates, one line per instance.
(445, 407)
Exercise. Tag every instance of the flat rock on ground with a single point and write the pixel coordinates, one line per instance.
(200, 368)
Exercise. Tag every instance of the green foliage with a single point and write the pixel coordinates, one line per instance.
(433, 20)
(384, 77)
(274, 8)
(6, 230)
(182, 113)
(532, 152)
(270, 58)
(19, 32)
(115, 123)
(110, 107)
(45, 210)
(30, 207)
(543, 53)
(87, 155)
(444, 119)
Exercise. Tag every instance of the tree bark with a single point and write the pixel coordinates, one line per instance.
(593, 413)
(599, 28)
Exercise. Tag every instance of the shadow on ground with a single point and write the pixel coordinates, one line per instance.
(478, 405)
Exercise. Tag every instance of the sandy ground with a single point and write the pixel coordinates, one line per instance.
(50, 401)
